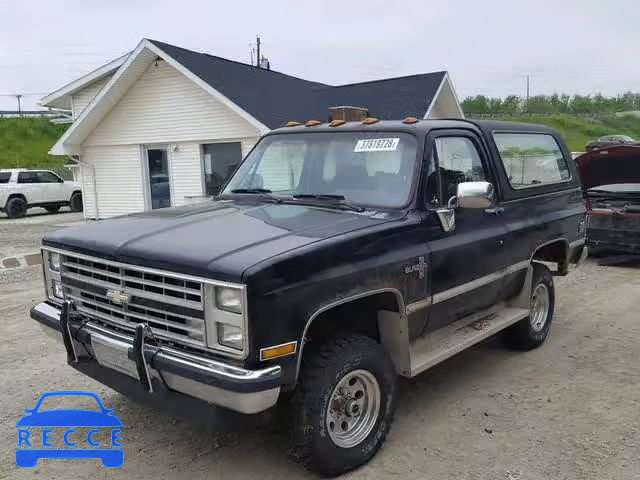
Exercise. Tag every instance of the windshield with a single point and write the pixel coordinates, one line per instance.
(365, 168)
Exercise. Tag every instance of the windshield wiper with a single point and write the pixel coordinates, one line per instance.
(335, 199)
(263, 192)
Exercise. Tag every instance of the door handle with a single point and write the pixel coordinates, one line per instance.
(494, 210)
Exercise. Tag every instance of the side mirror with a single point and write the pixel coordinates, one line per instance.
(475, 195)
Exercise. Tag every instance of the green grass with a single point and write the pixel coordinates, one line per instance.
(24, 143)
(577, 131)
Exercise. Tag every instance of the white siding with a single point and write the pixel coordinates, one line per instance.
(119, 182)
(248, 144)
(165, 106)
(186, 172)
(81, 98)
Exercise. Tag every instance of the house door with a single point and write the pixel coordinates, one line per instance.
(158, 179)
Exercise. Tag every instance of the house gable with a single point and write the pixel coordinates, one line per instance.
(82, 98)
(165, 106)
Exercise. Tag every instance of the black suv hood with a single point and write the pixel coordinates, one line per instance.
(213, 239)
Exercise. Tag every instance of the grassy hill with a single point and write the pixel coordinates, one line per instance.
(577, 131)
(24, 142)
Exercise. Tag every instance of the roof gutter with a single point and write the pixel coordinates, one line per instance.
(76, 158)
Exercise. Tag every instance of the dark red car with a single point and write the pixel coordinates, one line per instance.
(611, 182)
(610, 141)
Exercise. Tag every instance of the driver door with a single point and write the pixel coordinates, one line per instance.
(467, 262)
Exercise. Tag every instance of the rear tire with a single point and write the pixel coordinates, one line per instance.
(53, 209)
(16, 208)
(531, 332)
(76, 202)
(343, 406)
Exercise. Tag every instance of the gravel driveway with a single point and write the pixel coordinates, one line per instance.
(568, 410)
(23, 235)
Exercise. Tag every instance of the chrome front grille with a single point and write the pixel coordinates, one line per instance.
(126, 295)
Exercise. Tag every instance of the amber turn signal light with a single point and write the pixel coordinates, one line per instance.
(312, 123)
(336, 123)
(370, 120)
(410, 120)
(292, 124)
(278, 351)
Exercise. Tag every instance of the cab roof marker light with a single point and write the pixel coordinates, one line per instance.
(370, 120)
(312, 123)
(336, 123)
(292, 124)
(410, 120)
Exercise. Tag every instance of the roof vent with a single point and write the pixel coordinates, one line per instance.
(348, 113)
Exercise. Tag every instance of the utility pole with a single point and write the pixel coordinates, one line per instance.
(258, 51)
(527, 93)
(18, 97)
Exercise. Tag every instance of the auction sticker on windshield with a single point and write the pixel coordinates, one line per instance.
(377, 145)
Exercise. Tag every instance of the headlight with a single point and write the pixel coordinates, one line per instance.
(54, 261)
(229, 299)
(226, 319)
(230, 336)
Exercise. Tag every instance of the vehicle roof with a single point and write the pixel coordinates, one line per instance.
(424, 126)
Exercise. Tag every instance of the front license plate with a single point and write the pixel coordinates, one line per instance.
(114, 355)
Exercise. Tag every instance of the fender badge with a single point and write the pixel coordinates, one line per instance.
(419, 267)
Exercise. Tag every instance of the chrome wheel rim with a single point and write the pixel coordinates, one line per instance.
(539, 307)
(353, 408)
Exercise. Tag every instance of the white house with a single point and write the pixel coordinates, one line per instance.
(163, 125)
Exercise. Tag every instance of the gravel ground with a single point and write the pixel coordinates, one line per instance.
(569, 410)
(23, 235)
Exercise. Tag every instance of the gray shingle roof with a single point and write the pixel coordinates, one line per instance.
(274, 98)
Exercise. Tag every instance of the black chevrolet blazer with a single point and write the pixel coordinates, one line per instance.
(337, 257)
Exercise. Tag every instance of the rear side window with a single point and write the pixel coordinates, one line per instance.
(531, 159)
(27, 177)
(5, 177)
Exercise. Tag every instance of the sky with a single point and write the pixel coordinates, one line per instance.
(489, 47)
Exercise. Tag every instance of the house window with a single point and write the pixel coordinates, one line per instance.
(219, 162)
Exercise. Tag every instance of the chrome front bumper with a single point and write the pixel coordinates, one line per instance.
(218, 383)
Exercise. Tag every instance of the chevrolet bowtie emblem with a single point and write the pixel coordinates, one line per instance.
(116, 296)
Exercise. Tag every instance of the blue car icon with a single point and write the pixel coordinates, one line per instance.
(68, 419)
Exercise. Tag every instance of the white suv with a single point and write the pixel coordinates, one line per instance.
(24, 189)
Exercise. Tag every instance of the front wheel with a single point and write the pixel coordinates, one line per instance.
(343, 405)
(533, 331)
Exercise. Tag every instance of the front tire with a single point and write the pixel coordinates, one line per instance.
(344, 404)
(534, 330)
(16, 208)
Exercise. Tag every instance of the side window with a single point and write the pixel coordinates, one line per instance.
(458, 161)
(47, 177)
(5, 177)
(531, 159)
(27, 177)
